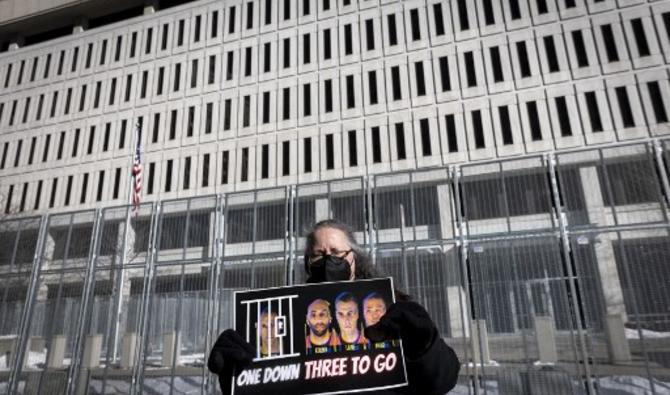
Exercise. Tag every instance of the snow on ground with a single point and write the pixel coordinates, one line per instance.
(632, 333)
(634, 385)
(35, 360)
(152, 385)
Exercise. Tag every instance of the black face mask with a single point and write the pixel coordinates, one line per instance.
(329, 268)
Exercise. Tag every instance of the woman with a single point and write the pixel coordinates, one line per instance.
(332, 254)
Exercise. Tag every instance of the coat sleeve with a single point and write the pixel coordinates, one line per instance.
(435, 371)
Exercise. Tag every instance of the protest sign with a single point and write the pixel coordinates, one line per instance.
(309, 339)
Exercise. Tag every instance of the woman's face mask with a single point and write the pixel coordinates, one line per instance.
(329, 268)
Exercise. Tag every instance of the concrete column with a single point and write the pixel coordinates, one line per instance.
(57, 352)
(321, 210)
(92, 349)
(444, 206)
(128, 350)
(458, 312)
(480, 339)
(169, 348)
(616, 339)
(546, 339)
(596, 210)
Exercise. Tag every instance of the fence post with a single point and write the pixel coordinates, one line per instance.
(658, 151)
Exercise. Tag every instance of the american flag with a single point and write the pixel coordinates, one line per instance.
(137, 173)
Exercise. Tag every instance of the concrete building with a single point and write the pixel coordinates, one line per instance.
(505, 161)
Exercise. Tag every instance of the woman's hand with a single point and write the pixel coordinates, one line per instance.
(230, 354)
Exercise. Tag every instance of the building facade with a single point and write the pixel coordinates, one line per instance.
(505, 161)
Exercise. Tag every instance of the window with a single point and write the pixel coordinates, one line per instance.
(488, 13)
(534, 121)
(369, 35)
(103, 52)
(594, 112)
(563, 116)
(496, 64)
(376, 145)
(266, 107)
(47, 66)
(84, 187)
(61, 62)
(105, 140)
(143, 88)
(180, 33)
(75, 59)
(159, 83)
(444, 74)
(89, 54)
(8, 75)
(372, 82)
(214, 24)
(425, 137)
(61, 145)
(101, 184)
(205, 170)
(34, 69)
(463, 15)
(414, 22)
(54, 188)
(133, 45)
(420, 79)
(250, 15)
(306, 58)
(330, 153)
(286, 158)
(353, 149)
(287, 53)
(247, 62)
(122, 134)
(4, 155)
(22, 205)
(478, 129)
(305, 7)
(26, 110)
(96, 99)
(8, 206)
(266, 57)
(68, 101)
(91, 140)
(246, 112)
(164, 37)
(31, 155)
(194, 73)
(657, 102)
(542, 7)
(395, 83)
(400, 140)
(286, 104)
(190, 121)
(348, 41)
(470, 69)
(177, 77)
(212, 69)
(244, 168)
(54, 104)
(173, 125)
(13, 112)
(75, 144)
(168, 176)
(227, 108)
(38, 195)
(307, 99)
(229, 65)
(307, 146)
(209, 110)
(157, 121)
(82, 98)
(112, 91)
(129, 87)
(522, 54)
(326, 47)
(147, 45)
(40, 106)
(117, 54)
(351, 97)
(186, 182)
(328, 95)
(666, 22)
(225, 157)
(393, 30)
(196, 30)
(231, 20)
(550, 50)
(580, 48)
(150, 179)
(505, 125)
(68, 190)
(439, 19)
(265, 159)
(610, 44)
(640, 37)
(47, 145)
(624, 107)
(287, 10)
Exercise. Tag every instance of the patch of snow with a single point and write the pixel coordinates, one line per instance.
(35, 360)
(489, 363)
(540, 363)
(632, 333)
(633, 385)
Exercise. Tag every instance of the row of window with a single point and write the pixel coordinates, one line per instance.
(290, 49)
(533, 114)
(370, 88)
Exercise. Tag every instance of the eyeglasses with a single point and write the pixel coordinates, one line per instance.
(318, 255)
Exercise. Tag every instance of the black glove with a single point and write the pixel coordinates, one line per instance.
(409, 321)
(230, 354)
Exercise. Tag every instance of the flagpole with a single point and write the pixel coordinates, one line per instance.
(124, 247)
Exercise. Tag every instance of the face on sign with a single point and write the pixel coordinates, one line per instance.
(318, 317)
(373, 310)
(347, 319)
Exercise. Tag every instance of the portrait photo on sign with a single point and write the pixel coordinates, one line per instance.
(310, 339)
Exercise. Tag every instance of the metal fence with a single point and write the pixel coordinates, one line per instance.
(547, 274)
